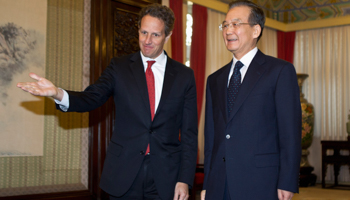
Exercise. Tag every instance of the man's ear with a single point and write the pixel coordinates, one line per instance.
(167, 37)
(257, 31)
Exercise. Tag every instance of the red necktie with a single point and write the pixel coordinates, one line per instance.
(151, 91)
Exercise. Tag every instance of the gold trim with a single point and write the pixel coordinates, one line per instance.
(212, 4)
(271, 23)
(322, 23)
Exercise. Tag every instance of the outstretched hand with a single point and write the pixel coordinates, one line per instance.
(42, 87)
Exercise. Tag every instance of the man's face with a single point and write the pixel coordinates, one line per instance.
(241, 39)
(152, 36)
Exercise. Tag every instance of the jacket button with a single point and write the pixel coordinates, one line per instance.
(142, 153)
(223, 159)
(228, 136)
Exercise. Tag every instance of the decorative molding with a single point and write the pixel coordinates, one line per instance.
(322, 23)
(272, 23)
(86, 81)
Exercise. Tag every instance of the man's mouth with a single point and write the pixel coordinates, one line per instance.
(147, 46)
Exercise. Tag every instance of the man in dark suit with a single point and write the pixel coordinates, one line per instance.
(253, 117)
(154, 101)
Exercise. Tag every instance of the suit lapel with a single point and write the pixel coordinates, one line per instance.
(255, 71)
(138, 71)
(169, 78)
(222, 89)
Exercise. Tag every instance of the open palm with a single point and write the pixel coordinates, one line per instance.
(42, 87)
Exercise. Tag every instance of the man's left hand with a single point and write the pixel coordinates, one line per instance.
(284, 195)
(181, 191)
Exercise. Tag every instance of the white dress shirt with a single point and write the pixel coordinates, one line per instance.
(158, 69)
(246, 60)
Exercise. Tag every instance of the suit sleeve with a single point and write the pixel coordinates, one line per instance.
(288, 112)
(94, 95)
(208, 134)
(189, 134)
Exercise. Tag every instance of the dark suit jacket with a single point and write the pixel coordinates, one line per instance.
(258, 148)
(172, 160)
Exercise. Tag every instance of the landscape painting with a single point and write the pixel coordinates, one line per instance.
(22, 50)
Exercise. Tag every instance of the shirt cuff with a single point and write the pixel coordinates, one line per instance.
(64, 104)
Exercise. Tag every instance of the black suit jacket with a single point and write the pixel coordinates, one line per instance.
(258, 147)
(172, 160)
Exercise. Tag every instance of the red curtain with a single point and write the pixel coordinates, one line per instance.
(285, 45)
(176, 37)
(198, 50)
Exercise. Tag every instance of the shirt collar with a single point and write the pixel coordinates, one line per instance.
(160, 60)
(247, 58)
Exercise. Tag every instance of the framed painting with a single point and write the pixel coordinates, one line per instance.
(22, 50)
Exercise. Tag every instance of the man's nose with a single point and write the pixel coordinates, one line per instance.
(148, 39)
(230, 30)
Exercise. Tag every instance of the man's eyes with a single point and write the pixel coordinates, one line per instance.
(234, 24)
(153, 34)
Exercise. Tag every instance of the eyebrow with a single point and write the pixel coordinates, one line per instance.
(151, 32)
(236, 19)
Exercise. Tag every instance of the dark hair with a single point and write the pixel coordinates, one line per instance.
(256, 15)
(161, 12)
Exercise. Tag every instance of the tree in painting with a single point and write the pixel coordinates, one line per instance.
(17, 51)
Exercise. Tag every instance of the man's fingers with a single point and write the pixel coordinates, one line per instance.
(28, 85)
(179, 196)
(30, 89)
(181, 191)
(203, 194)
(176, 196)
(34, 76)
(284, 195)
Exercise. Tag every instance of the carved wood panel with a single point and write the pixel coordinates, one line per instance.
(125, 32)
